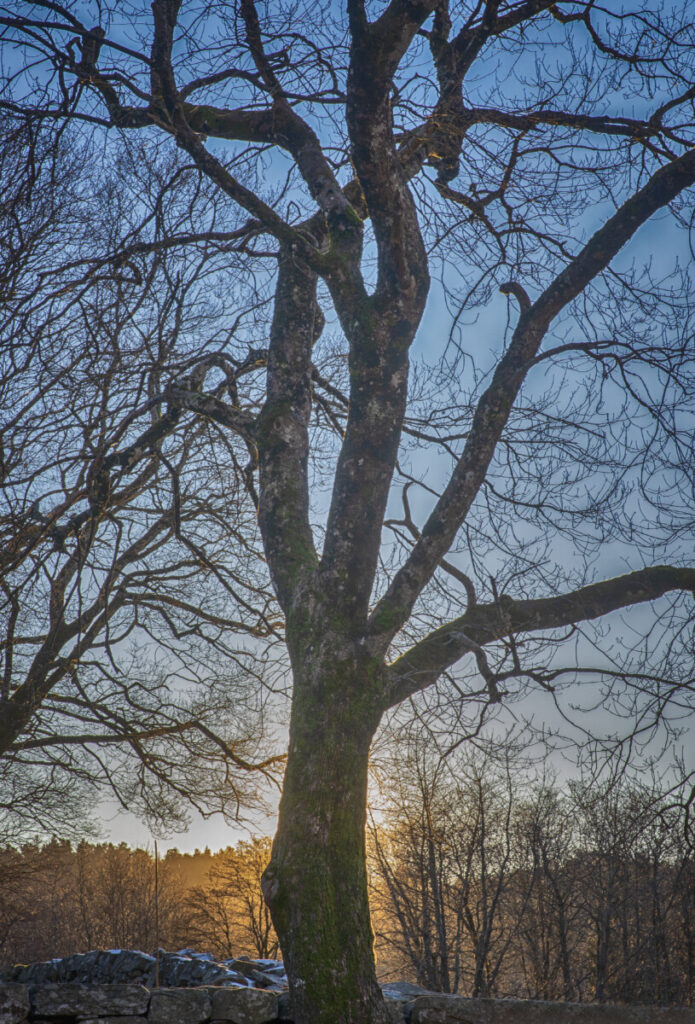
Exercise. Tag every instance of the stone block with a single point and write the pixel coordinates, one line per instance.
(85, 1001)
(179, 1006)
(437, 1009)
(443, 1009)
(285, 1007)
(404, 990)
(14, 1003)
(255, 972)
(396, 1011)
(244, 1005)
(113, 1020)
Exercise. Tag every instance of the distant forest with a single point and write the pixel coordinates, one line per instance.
(478, 887)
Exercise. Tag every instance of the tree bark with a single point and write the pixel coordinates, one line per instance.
(316, 882)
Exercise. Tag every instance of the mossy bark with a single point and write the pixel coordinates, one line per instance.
(316, 883)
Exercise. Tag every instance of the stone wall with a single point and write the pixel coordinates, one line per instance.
(182, 969)
(135, 1004)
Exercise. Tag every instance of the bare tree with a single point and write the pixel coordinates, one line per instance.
(553, 920)
(227, 913)
(447, 861)
(69, 900)
(487, 889)
(134, 612)
(413, 842)
(516, 145)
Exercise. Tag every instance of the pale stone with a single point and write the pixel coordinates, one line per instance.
(257, 972)
(404, 990)
(14, 1003)
(107, 966)
(244, 1005)
(67, 1000)
(179, 1006)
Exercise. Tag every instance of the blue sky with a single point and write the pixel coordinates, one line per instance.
(482, 333)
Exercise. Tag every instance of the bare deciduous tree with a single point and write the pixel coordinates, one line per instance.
(447, 856)
(516, 145)
(134, 612)
(66, 900)
(227, 912)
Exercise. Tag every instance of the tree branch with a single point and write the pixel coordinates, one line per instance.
(495, 404)
(379, 328)
(484, 623)
(282, 429)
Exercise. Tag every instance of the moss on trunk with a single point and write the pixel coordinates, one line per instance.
(316, 884)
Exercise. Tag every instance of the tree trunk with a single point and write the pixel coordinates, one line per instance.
(316, 883)
(603, 930)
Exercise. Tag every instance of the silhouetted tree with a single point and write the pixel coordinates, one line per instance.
(135, 627)
(517, 145)
(553, 923)
(68, 900)
(446, 861)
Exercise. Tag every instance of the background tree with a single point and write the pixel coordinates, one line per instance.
(74, 899)
(446, 860)
(576, 914)
(373, 146)
(553, 926)
(113, 531)
(228, 914)
(530, 890)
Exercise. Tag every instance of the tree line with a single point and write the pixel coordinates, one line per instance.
(59, 898)
(485, 887)
(478, 886)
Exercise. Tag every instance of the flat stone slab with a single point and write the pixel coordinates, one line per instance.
(250, 969)
(14, 1003)
(179, 1006)
(404, 990)
(86, 1001)
(113, 1020)
(244, 1005)
(441, 1009)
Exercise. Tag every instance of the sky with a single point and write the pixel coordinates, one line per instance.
(490, 327)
